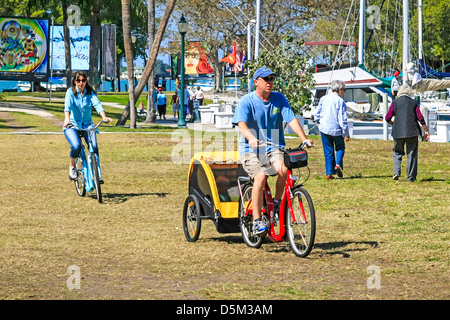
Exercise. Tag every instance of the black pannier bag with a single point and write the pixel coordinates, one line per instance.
(295, 158)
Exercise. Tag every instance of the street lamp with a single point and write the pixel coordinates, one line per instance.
(182, 29)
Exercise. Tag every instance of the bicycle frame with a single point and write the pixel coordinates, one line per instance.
(285, 200)
(87, 163)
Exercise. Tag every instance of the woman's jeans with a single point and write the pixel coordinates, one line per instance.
(73, 137)
(330, 144)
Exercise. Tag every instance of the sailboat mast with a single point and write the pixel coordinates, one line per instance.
(362, 12)
(405, 40)
(420, 23)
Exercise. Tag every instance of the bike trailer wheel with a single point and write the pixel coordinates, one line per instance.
(192, 223)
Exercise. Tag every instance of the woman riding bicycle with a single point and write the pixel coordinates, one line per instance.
(80, 99)
(260, 116)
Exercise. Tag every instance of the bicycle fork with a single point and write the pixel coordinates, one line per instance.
(87, 170)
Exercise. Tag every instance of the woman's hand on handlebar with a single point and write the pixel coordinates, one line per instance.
(107, 119)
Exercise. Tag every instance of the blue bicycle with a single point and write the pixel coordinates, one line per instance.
(88, 168)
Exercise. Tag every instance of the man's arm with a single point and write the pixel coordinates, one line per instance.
(248, 135)
(297, 128)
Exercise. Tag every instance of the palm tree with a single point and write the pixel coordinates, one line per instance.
(151, 59)
(129, 58)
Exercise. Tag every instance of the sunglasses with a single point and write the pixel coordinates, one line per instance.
(82, 80)
(268, 78)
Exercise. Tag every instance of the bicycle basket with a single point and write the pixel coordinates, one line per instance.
(295, 158)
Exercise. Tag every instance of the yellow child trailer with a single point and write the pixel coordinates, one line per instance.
(213, 193)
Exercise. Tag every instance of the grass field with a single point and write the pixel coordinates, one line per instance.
(132, 246)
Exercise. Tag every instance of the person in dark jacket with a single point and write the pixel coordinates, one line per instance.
(405, 131)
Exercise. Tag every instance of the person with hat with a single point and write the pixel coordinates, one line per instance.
(161, 101)
(259, 117)
(395, 84)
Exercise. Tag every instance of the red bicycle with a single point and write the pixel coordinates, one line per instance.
(296, 220)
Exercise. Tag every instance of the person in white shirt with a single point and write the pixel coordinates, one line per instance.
(199, 95)
(395, 84)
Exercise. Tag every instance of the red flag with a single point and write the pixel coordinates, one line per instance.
(231, 59)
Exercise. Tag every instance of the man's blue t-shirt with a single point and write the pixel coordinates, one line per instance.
(264, 119)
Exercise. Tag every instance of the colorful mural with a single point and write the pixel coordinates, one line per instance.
(24, 48)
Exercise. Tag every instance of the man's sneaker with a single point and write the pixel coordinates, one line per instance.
(396, 176)
(260, 226)
(72, 173)
(339, 171)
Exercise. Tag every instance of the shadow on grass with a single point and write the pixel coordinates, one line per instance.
(360, 176)
(341, 247)
(344, 248)
(123, 197)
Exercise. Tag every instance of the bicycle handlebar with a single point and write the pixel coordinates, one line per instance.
(268, 143)
(91, 127)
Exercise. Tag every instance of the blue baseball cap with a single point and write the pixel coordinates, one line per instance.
(263, 72)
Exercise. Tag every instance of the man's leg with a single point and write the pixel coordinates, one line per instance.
(259, 182)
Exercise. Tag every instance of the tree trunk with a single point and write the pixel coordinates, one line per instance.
(217, 66)
(126, 21)
(94, 47)
(151, 114)
(151, 60)
(67, 45)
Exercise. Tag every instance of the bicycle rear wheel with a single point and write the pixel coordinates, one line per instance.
(96, 176)
(301, 223)
(246, 219)
(192, 223)
(79, 182)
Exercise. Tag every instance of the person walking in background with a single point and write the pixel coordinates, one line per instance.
(191, 100)
(395, 84)
(186, 101)
(199, 96)
(331, 116)
(405, 131)
(176, 104)
(161, 99)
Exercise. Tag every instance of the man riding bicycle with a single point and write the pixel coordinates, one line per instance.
(259, 117)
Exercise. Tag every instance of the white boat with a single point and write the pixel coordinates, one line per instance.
(359, 84)
(25, 86)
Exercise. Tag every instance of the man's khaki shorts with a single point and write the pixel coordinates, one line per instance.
(254, 163)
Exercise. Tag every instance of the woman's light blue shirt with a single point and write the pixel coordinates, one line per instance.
(80, 107)
(331, 115)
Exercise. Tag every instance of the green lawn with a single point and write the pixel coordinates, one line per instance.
(132, 246)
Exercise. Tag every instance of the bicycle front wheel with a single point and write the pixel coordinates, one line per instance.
(79, 182)
(96, 176)
(301, 222)
(246, 219)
